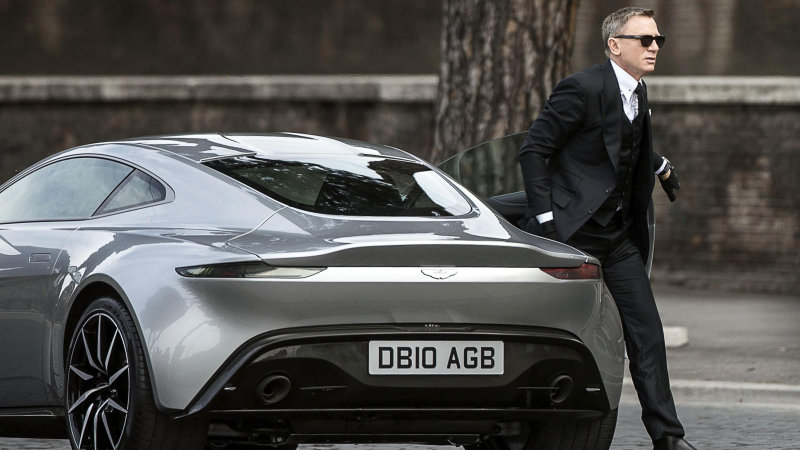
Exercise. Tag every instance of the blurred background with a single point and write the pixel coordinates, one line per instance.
(725, 98)
(179, 37)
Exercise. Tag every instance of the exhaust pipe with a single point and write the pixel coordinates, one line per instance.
(273, 389)
(560, 388)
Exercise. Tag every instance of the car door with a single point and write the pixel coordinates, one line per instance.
(38, 212)
(27, 255)
(491, 171)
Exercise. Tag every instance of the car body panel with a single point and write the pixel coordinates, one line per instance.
(28, 254)
(222, 316)
(293, 237)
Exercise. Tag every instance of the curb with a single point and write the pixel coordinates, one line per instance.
(675, 337)
(687, 391)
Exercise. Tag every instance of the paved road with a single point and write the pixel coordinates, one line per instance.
(733, 336)
(722, 426)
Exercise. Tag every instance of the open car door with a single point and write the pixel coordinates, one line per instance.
(491, 171)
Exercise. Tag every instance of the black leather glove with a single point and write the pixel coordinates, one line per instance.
(670, 184)
(548, 230)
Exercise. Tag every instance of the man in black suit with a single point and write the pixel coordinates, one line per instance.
(589, 170)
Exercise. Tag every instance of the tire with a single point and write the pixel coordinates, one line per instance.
(109, 400)
(558, 435)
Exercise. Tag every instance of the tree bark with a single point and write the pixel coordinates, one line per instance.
(500, 60)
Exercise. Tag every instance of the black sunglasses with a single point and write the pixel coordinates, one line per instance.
(645, 40)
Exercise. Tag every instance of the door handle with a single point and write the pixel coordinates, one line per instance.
(39, 257)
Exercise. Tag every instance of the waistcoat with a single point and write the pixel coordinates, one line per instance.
(620, 198)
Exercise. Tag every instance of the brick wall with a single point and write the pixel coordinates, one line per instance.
(736, 224)
(705, 37)
(42, 115)
(735, 141)
(155, 37)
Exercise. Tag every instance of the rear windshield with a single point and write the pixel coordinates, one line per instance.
(348, 185)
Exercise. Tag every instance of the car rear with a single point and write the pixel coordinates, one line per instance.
(407, 312)
(389, 353)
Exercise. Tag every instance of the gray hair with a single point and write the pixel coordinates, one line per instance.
(614, 22)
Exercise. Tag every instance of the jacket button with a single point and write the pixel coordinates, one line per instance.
(591, 211)
(608, 190)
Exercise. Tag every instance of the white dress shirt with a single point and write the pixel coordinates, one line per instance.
(627, 84)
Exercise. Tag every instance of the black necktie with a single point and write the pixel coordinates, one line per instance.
(639, 91)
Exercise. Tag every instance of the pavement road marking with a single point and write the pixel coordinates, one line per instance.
(727, 391)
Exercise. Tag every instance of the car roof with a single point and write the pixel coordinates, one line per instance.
(206, 147)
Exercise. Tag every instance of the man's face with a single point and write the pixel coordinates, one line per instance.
(630, 54)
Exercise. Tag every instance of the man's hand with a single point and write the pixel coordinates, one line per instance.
(548, 230)
(669, 181)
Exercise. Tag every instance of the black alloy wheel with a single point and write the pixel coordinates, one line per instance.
(98, 384)
(109, 400)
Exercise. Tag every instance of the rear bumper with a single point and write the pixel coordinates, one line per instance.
(330, 392)
(381, 425)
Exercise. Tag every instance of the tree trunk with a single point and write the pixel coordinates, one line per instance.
(500, 60)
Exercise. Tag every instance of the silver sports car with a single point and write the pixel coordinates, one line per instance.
(266, 290)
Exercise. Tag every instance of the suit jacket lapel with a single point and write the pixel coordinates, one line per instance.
(647, 144)
(611, 114)
(646, 110)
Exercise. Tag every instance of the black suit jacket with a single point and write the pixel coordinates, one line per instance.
(570, 156)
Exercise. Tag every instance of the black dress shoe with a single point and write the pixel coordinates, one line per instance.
(672, 443)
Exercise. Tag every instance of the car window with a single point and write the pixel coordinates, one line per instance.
(489, 169)
(67, 189)
(138, 189)
(363, 185)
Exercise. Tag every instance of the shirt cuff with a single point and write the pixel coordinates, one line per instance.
(545, 217)
(663, 166)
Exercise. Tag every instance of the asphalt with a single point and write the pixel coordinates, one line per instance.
(725, 346)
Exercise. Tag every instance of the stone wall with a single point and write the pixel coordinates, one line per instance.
(736, 142)
(42, 115)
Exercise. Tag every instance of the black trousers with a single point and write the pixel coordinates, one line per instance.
(627, 280)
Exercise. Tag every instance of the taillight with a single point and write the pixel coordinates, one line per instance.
(246, 270)
(584, 272)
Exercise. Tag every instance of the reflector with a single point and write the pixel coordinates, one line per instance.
(246, 270)
(584, 272)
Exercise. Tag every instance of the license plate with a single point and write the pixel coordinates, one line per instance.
(436, 357)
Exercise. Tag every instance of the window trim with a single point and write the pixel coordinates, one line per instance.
(125, 181)
(169, 197)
